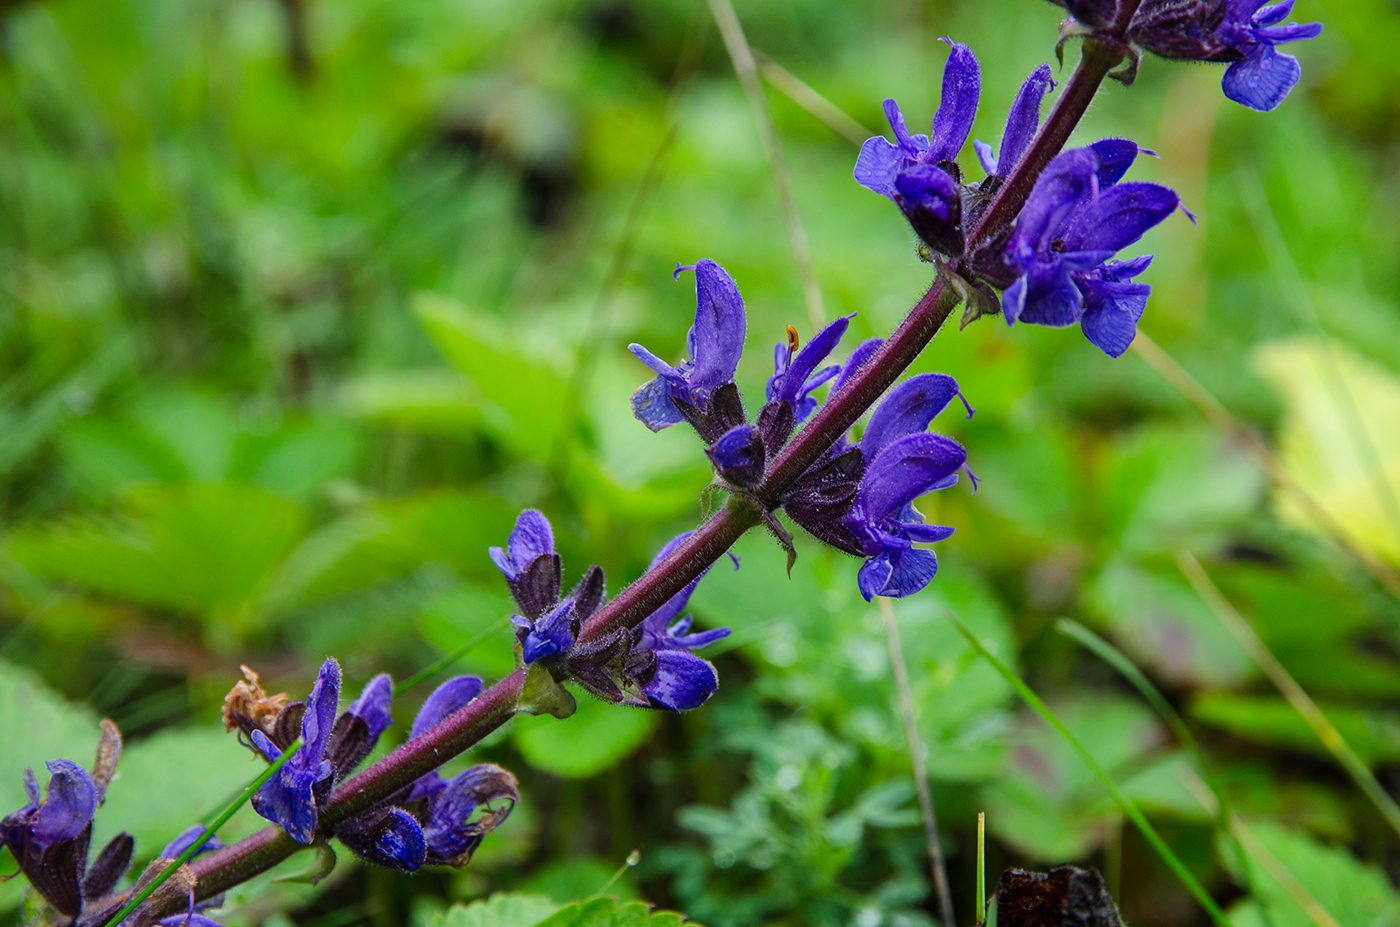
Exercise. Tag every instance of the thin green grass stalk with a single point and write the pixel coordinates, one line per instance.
(1190, 389)
(1130, 810)
(939, 870)
(433, 669)
(209, 833)
(801, 93)
(981, 867)
(1119, 661)
(1302, 703)
(1227, 822)
(632, 859)
(746, 68)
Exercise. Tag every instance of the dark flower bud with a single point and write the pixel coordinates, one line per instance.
(775, 421)
(357, 730)
(739, 457)
(110, 865)
(1093, 13)
(590, 593)
(822, 497)
(388, 837)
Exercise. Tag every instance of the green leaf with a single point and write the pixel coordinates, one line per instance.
(205, 549)
(609, 912)
(522, 395)
(171, 780)
(1164, 625)
(1169, 487)
(1319, 444)
(596, 738)
(1353, 892)
(38, 725)
(1374, 735)
(503, 909)
(1048, 803)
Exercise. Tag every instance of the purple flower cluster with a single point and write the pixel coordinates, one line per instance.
(652, 666)
(1244, 33)
(856, 498)
(49, 839)
(433, 822)
(1055, 268)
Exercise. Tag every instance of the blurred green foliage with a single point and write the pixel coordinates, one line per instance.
(289, 335)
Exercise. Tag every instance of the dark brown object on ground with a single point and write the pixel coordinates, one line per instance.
(1066, 896)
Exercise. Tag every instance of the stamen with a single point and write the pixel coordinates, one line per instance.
(967, 405)
(793, 341)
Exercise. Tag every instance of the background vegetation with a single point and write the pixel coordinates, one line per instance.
(301, 302)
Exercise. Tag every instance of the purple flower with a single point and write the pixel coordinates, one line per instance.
(532, 538)
(1021, 124)
(552, 633)
(388, 837)
(187, 839)
(1244, 33)
(290, 797)
(447, 699)
(462, 813)
(1076, 218)
(902, 462)
(795, 376)
(661, 663)
(739, 455)
(358, 729)
(49, 836)
(715, 343)
(1264, 78)
(919, 172)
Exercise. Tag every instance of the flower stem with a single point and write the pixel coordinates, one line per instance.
(223, 869)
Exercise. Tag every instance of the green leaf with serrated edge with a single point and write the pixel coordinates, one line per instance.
(1353, 892)
(608, 912)
(598, 737)
(504, 909)
(542, 695)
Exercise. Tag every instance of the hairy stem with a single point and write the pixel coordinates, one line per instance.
(241, 861)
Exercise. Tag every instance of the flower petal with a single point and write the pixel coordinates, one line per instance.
(446, 699)
(1065, 183)
(373, 705)
(718, 333)
(1023, 119)
(909, 408)
(69, 806)
(319, 719)
(1120, 216)
(653, 407)
(682, 680)
(1262, 81)
(1115, 156)
(878, 164)
(908, 468)
(957, 107)
(789, 386)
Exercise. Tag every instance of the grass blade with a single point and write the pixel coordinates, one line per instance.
(209, 833)
(916, 756)
(747, 70)
(1129, 808)
(1302, 703)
